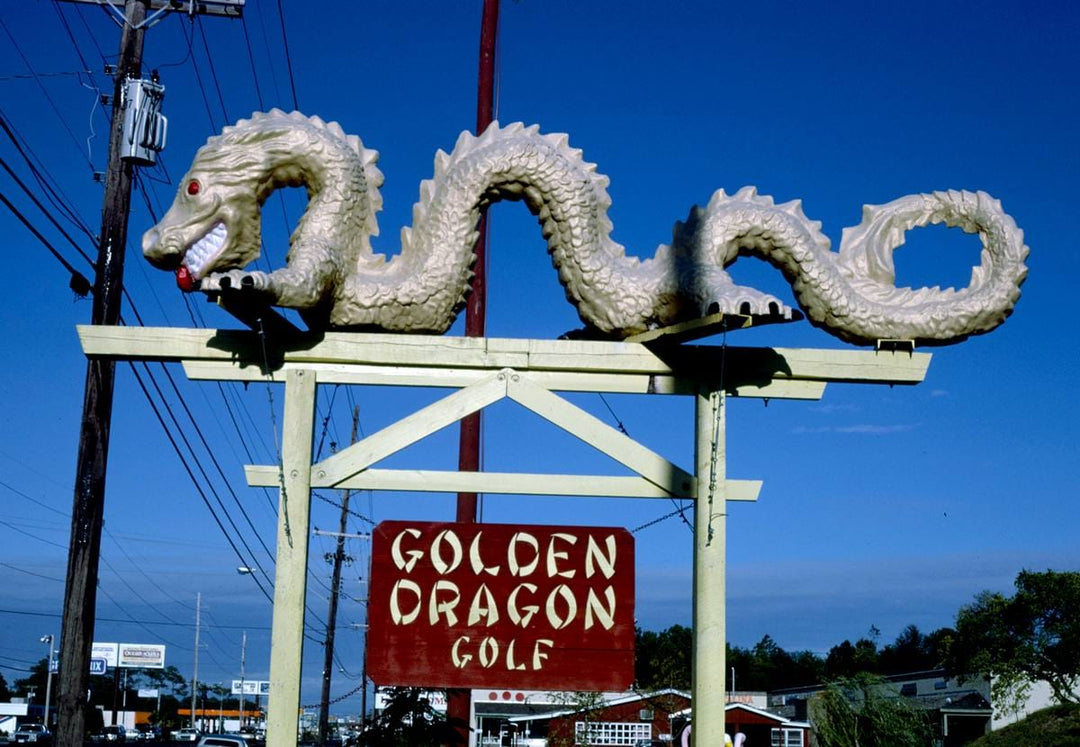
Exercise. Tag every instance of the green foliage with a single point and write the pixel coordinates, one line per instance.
(1029, 637)
(767, 666)
(867, 711)
(408, 720)
(663, 659)
(5, 694)
(1058, 726)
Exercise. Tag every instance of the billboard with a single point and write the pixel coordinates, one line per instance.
(501, 606)
(250, 687)
(141, 656)
(106, 651)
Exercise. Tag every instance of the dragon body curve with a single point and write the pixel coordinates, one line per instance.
(333, 277)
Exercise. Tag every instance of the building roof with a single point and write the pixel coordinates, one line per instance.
(782, 720)
(607, 703)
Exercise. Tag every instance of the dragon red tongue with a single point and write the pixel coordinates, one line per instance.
(184, 279)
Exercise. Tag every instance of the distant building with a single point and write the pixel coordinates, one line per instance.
(960, 712)
(620, 721)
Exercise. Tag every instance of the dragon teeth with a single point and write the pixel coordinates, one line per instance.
(206, 249)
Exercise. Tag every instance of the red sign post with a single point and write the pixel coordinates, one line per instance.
(501, 605)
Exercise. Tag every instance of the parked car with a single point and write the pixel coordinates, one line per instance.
(131, 734)
(186, 735)
(32, 733)
(222, 740)
(112, 734)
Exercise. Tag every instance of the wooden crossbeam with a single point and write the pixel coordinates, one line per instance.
(737, 366)
(507, 483)
(560, 381)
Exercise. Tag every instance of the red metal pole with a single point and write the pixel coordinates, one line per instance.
(458, 701)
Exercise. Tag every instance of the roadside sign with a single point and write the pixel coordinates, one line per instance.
(141, 656)
(501, 605)
(250, 687)
(98, 666)
(106, 651)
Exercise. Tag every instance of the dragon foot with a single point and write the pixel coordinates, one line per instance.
(241, 280)
(745, 301)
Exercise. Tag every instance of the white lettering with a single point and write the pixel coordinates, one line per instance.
(475, 559)
(395, 608)
(554, 556)
(510, 657)
(483, 605)
(538, 655)
(446, 536)
(562, 590)
(456, 659)
(593, 555)
(395, 551)
(489, 652)
(512, 608)
(605, 616)
(516, 569)
(445, 607)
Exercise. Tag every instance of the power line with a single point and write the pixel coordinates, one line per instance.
(44, 91)
(288, 57)
(78, 283)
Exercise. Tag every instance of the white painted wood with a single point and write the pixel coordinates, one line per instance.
(559, 381)
(596, 433)
(290, 577)
(753, 364)
(407, 431)
(709, 667)
(507, 483)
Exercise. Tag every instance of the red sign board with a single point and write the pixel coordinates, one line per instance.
(501, 605)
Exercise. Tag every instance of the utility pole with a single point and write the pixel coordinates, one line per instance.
(243, 653)
(335, 590)
(88, 508)
(195, 669)
(459, 700)
(88, 505)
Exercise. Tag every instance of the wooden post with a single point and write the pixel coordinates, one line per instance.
(88, 505)
(290, 578)
(335, 591)
(710, 540)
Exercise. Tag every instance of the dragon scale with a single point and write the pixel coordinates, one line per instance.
(333, 277)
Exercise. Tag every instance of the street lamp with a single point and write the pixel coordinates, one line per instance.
(48, 679)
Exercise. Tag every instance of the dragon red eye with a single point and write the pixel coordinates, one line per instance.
(193, 187)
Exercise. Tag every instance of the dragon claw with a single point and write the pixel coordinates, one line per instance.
(748, 302)
(237, 280)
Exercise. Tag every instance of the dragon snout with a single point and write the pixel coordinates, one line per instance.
(160, 254)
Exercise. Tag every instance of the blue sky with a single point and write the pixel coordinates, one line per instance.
(881, 506)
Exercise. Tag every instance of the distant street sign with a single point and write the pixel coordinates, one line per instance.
(98, 666)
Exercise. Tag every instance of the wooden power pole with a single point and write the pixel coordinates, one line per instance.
(335, 591)
(88, 507)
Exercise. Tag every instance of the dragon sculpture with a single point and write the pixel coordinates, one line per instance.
(332, 275)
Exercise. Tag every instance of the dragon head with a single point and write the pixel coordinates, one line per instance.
(214, 223)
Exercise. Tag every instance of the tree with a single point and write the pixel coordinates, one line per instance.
(409, 719)
(847, 660)
(663, 659)
(5, 694)
(1030, 637)
(913, 652)
(867, 711)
